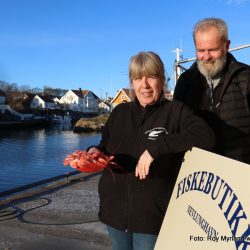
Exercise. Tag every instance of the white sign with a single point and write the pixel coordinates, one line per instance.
(210, 205)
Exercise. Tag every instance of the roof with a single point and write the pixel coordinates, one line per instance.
(106, 103)
(94, 95)
(83, 92)
(46, 98)
(79, 92)
(130, 93)
(28, 96)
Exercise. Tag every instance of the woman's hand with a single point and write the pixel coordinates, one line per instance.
(93, 150)
(142, 167)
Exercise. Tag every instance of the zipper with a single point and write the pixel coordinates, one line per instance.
(211, 93)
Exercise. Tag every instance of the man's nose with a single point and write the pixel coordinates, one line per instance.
(207, 56)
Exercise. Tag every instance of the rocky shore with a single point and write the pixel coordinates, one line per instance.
(94, 124)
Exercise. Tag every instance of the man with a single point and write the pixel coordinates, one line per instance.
(217, 87)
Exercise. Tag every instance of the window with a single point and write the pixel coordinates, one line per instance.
(123, 98)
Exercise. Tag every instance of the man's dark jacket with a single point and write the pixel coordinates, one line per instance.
(228, 112)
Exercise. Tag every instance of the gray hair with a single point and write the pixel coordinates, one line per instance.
(217, 23)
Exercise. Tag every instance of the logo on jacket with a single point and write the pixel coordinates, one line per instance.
(155, 132)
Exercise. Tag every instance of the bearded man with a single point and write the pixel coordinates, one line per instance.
(217, 88)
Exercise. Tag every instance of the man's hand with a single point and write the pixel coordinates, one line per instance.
(142, 167)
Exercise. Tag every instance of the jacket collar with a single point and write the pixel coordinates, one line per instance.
(231, 68)
(161, 100)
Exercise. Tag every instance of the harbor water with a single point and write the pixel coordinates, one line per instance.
(30, 155)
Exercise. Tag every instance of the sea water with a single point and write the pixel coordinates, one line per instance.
(30, 155)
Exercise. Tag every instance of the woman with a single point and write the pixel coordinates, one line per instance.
(148, 138)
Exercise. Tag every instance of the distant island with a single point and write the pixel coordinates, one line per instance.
(93, 124)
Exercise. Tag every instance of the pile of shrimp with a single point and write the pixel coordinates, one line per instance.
(87, 162)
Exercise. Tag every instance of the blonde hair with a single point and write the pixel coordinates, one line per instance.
(146, 64)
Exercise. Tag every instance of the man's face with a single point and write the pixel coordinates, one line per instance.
(210, 52)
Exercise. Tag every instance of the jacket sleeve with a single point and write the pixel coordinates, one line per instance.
(244, 83)
(180, 91)
(192, 131)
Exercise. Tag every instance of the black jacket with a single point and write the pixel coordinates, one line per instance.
(228, 114)
(166, 130)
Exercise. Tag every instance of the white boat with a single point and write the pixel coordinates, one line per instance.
(61, 119)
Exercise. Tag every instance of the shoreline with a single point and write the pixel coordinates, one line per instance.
(24, 124)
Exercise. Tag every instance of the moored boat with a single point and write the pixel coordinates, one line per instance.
(61, 119)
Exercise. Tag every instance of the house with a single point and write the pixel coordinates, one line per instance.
(104, 107)
(2, 97)
(127, 95)
(169, 95)
(123, 95)
(80, 100)
(56, 99)
(92, 101)
(28, 96)
(43, 102)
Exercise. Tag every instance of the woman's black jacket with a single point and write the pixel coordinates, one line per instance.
(166, 129)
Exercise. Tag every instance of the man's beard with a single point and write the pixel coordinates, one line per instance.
(212, 68)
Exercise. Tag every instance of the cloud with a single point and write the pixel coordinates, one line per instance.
(235, 2)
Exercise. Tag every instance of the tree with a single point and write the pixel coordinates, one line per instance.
(47, 90)
(3, 85)
(24, 88)
(36, 91)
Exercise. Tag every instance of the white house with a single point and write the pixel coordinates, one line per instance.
(169, 95)
(105, 107)
(81, 100)
(91, 101)
(74, 100)
(56, 100)
(44, 102)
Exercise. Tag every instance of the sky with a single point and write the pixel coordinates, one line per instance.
(87, 44)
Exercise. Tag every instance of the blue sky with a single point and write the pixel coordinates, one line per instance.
(78, 43)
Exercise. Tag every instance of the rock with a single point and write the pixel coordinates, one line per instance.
(91, 124)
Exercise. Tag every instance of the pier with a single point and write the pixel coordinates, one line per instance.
(56, 214)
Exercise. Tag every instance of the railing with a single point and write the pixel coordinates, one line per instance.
(178, 67)
(42, 186)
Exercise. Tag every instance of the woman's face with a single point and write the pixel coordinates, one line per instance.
(147, 89)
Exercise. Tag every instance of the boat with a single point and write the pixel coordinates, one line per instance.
(61, 119)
